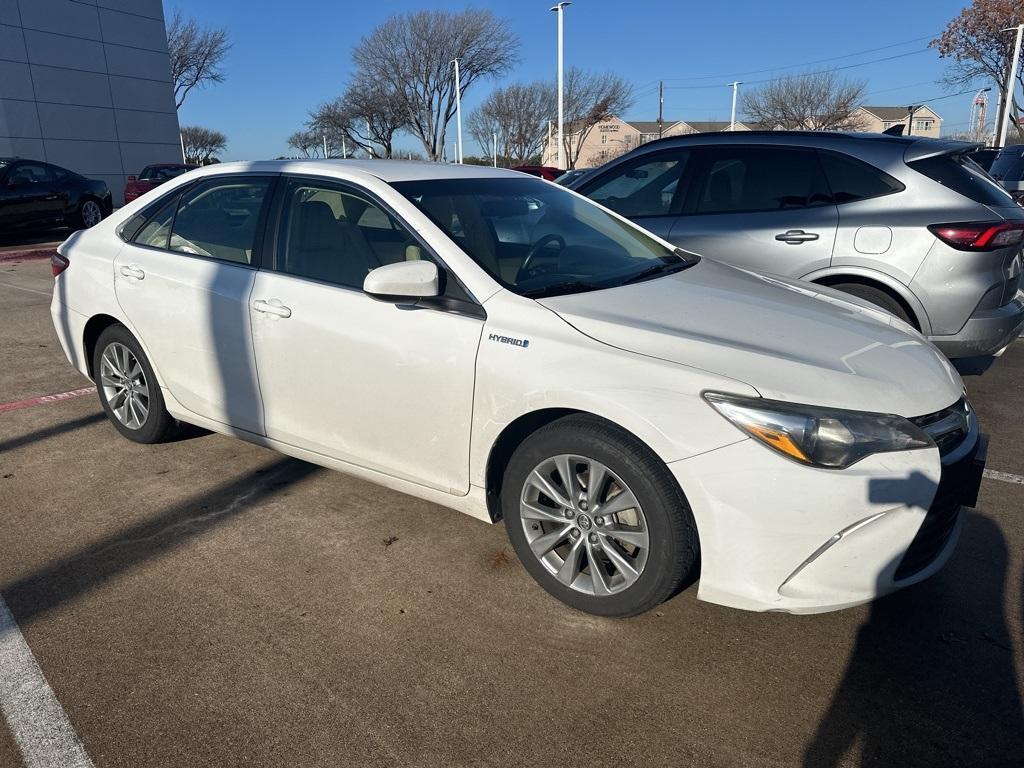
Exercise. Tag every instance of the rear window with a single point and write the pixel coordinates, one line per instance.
(961, 175)
(1008, 165)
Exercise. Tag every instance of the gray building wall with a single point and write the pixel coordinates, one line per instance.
(86, 84)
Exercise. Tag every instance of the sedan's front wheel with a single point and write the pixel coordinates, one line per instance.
(89, 214)
(597, 519)
(128, 388)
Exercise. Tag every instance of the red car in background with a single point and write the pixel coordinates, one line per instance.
(548, 172)
(153, 176)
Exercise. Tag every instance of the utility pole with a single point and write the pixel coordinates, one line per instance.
(661, 106)
(495, 145)
(910, 117)
(344, 148)
(325, 146)
(458, 113)
(181, 138)
(1010, 87)
(559, 9)
(735, 88)
(547, 159)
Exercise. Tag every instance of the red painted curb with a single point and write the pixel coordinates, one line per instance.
(35, 253)
(44, 399)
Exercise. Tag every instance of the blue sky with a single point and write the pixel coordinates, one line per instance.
(290, 55)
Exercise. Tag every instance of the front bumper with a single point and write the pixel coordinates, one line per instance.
(986, 331)
(778, 536)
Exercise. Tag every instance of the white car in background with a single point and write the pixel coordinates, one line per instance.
(640, 417)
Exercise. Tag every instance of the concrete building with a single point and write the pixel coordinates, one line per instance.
(926, 122)
(86, 84)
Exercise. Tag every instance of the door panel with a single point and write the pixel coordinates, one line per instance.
(765, 208)
(192, 315)
(385, 387)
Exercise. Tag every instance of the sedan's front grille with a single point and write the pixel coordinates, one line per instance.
(948, 427)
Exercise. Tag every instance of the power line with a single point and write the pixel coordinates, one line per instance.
(733, 75)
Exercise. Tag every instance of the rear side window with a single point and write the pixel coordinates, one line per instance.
(748, 179)
(961, 175)
(218, 219)
(851, 180)
(156, 232)
(645, 187)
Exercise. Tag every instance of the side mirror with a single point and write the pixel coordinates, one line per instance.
(405, 280)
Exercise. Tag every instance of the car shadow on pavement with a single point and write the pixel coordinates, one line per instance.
(89, 567)
(52, 431)
(973, 366)
(931, 680)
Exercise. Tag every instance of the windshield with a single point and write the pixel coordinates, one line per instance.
(537, 239)
(162, 172)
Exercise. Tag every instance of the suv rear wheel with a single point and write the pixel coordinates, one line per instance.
(878, 297)
(597, 519)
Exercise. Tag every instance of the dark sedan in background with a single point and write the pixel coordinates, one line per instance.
(153, 176)
(37, 195)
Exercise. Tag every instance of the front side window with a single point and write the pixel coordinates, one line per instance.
(538, 239)
(218, 219)
(333, 234)
(644, 187)
(742, 179)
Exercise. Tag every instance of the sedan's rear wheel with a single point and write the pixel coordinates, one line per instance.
(128, 388)
(89, 214)
(597, 519)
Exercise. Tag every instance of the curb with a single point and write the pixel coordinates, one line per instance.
(27, 255)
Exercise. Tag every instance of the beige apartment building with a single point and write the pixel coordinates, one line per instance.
(614, 137)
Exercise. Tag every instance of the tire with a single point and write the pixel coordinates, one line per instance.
(125, 411)
(89, 214)
(878, 297)
(661, 518)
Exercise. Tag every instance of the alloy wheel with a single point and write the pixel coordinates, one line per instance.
(91, 213)
(584, 525)
(124, 385)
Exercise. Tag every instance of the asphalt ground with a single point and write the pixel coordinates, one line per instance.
(211, 603)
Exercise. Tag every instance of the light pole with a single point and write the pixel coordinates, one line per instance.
(559, 9)
(1010, 87)
(458, 113)
(735, 88)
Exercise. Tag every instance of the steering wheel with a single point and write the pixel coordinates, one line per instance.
(525, 270)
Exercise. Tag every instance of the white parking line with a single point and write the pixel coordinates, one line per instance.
(34, 717)
(1005, 477)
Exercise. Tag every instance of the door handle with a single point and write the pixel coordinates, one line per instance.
(272, 307)
(796, 236)
(133, 271)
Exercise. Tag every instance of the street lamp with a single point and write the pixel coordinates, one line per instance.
(458, 112)
(735, 87)
(1010, 87)
(559, 10)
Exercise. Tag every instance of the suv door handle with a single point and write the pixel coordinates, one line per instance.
(133, 271)
(796, 236)
(272, 307)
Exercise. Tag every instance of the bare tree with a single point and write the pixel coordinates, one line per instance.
(306, 142)
(814, 102)
(202, 144)
(197, 54)
(412, 55)
(980, 49)
(518, 114)
(367, 116)
(590, 98)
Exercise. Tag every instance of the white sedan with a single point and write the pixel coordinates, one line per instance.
(639, 416)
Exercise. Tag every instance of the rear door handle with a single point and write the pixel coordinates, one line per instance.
(796, 236)
(133, 271)
(272, 307)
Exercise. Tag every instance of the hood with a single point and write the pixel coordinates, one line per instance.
(791, 341)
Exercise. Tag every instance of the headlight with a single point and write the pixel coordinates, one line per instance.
(822, 437)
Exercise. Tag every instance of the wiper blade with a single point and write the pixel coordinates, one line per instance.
(560, 289)
(657, 270)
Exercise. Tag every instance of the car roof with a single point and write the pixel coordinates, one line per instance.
(385, 170)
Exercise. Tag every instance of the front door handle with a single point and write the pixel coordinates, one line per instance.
(133, 271)
(796, 236)
(272, 307)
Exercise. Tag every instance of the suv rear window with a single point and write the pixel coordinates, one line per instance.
(960, 174)
(1008, 165)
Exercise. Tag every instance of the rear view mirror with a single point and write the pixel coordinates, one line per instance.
(405, 280)
(512, 206)
(636, 173)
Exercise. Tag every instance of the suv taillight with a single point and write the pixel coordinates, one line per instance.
(980, 235)
(58, 263)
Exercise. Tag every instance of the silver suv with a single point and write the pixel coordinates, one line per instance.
(909, 224)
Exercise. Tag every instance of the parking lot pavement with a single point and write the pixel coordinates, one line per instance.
(211, 603)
